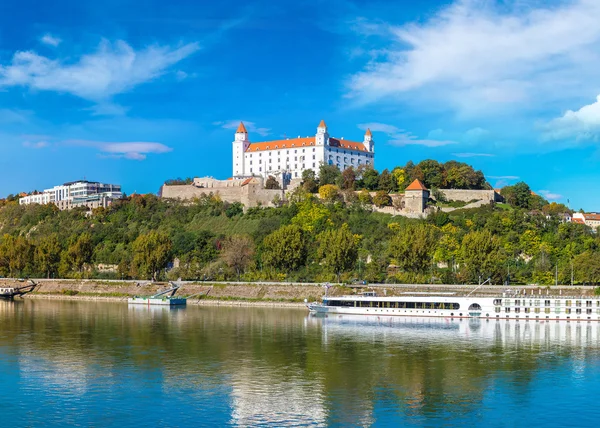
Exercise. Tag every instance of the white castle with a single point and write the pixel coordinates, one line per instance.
(288, 158)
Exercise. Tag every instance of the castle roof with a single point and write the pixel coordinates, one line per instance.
(241, 129)
(368, 133)
(416, 185)
(322, 124)
(304, 142)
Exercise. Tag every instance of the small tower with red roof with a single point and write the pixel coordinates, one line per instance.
(322, 136)
(415, 197)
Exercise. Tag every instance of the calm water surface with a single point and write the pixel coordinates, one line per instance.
(105, 364)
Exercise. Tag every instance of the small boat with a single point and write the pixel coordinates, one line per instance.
(17, 291)
(163, 298)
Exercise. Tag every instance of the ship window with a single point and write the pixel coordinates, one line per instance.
(557, 310)
(497, 302)
(537, 303)
(577, 302)
(527, 310)
(568, 311)
(507, 310)
(498, 309)
(517, 310)
(588, 311)
(517, 303)
(567, 303)
(557, 302)
(537, 310)
(547, 310)
(588, 303)
(546, 302)
(578, 310)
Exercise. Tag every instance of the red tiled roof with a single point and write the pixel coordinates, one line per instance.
(241, 128)
(578, 220)
(592, 216)
(345, 144)
(416, 185)
(246, 181)
(322, 124)
(368, 133)
(281, 144)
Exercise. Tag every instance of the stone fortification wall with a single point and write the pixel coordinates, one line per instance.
(250, 195)
(469, 195)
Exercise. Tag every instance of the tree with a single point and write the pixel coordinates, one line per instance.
(329, 193)
(286, 248)
(382, 199)
(399, 178)
(364, 197)
(15, 254)
(338, 249)
(370, 179)
(386, 182)
(555, 208)
(237, 252)
(80, 251)
(517, 195)
(430, 172)
(151, 253)
(481, 256)
(348, 179)
(311, 216)
(329, 174)
(412, 247)
(47, 255)
(272, 183)
(309, 181)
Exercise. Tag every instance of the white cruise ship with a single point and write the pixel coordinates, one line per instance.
(450, 305)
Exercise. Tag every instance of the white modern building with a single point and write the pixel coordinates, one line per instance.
(288, 158)
(90, 194)
(590, 219)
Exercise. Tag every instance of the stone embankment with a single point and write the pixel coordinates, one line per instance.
(269, 294)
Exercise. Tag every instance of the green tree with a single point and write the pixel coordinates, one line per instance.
(430, 172)
(151, 254)
(286, 248)
(481, 257)
(382, 199)
(386, 181)
(80, 252)
(338, 249)
(329, 174)
(272, 183)
(370, 179)
(517, 195)
(399, 179)
(364, 197)
(412, 247)
(47, 255)
(309, 181)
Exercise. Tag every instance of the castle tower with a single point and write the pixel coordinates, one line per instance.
(368, 141)
(415, 197)
(240, 145)
(322, 137)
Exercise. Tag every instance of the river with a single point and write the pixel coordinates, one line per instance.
(106, 364)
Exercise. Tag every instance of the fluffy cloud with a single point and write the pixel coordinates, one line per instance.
(130, 150)
(581, 125)
(49, 39)
(504, 177)
(250, 126)
(551, 196)
(475, 55)
(112, 69)
(400, 137)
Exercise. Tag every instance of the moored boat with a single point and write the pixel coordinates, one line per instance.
(512, 305)
(163, 298)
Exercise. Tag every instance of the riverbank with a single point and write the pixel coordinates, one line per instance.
(264, 294)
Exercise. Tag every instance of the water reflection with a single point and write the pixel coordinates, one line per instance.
(249, 366)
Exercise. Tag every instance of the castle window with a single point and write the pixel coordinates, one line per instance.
(313, 149)
(250, 162)
(313, 164)
(250, 169)
(259, 169)
(313, 156)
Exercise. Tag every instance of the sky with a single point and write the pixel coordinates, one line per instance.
(136, 93)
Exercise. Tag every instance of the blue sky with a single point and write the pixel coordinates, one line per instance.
(138, 92)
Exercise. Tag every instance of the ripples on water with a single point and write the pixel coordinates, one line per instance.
(104, 364)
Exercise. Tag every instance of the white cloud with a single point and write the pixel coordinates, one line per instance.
(49, 39)
(129, 150)
(475, 55)
(551, 196)
(580, 125)
(504, 177)
(251, 127)
(473, 155)
(400, 137)
(113, 69)
(36, 144)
